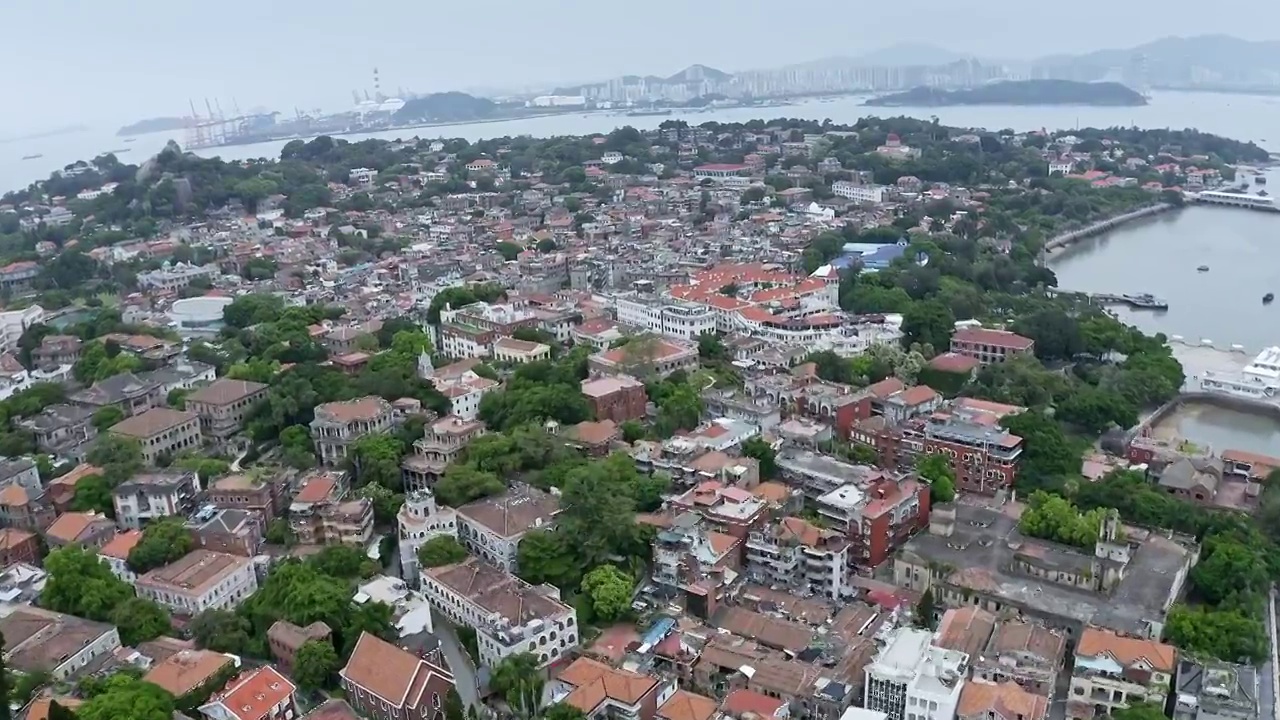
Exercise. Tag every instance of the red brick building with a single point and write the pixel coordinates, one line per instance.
(18, 546)
(983, 455)
(617, 397)
(989, 346)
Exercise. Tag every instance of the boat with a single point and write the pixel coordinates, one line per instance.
(1266, 299)
(33, 157)
(1261, 179)
(1259, 380)
(129, 140)
(649, 113)
(1203, 268)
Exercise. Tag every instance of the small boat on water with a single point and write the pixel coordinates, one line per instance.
(129, 140)
(1261, 179)
(1266, 299)
(33, 157)
(1203, 268)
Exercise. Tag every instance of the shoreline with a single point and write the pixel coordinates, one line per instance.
(1066, 240)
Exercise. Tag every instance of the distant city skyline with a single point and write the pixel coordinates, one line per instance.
(101, 63)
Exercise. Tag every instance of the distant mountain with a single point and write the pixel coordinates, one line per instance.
(1205, 60)
(445, 107)
(698, 73)
(1022, 92)
(152, 125)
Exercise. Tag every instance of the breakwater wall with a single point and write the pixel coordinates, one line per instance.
(1243, 405)
(1066, 239)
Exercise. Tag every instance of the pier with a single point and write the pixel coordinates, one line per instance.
(1102, 226)
(1141, 301)
(1240, 200)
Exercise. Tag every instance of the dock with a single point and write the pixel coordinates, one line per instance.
(1234, 199)
(1140, 301)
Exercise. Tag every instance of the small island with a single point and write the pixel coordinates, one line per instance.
(152, 125)
(1020, 92)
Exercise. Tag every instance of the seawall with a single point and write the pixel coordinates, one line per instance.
(1066, 239)
(1252, 407)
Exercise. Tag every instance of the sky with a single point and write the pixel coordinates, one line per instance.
(94, 62)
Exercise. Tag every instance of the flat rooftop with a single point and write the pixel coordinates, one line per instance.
(981, 550)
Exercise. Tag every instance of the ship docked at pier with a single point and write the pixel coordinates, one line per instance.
(1259, 380)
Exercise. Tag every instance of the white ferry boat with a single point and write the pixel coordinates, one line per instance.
(1259, 380)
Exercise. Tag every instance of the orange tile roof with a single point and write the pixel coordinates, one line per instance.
(1126, 650)
(1005, 700)
(69, 526)
(594, 682)
(39, 709)
(186, 670)
(251, 696)
(120, 545)
(684, 705)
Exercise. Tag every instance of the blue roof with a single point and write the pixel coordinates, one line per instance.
(658, 630)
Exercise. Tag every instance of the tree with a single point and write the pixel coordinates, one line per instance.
(348, 562)
(316, 664)
(711, 347)
(105, 417)
(80, 584)
(1053, 517)
(386, 504)
(926, 610)
(563, 711)
(610, 591)
(296, 447)
(221, 631)
(633, 430)
(376, 459)
(280, 533)
(163, 541)
(6, 694)
(1047, 457)
(139, 620)
(935, 469)
(763, 452)
(461, 484)
(441, 550)
(177, 398)
(517, 679)
(125, 696)
(1138, 711)
(57, 712)
(929, 322)
(508, 250)
(543, 557)
(93, 494)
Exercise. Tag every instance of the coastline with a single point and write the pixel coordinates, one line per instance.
(1070, 238)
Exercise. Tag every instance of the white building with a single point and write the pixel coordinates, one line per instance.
(1063, 165)
(910, 679)
(115, 553)
(361, 176)
(15, 322)
(39, 640)
(201, 580)
(664, 317)
(493, 527)
(419, 520)
(873, 194)
(518, 352)
(152, 496)
(479, 595)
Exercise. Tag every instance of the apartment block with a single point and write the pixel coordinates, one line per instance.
(911, 679)
(441, 443)
(800, 556)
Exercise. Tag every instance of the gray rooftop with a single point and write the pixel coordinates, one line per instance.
(983, 546)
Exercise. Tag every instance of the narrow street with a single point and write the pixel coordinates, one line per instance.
(464, 673)
(1270, 690)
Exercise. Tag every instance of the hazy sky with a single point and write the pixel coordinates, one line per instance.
(96, 62)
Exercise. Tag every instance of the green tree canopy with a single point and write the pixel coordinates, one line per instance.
(441, 550)
(163, 541)
(610, 591)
